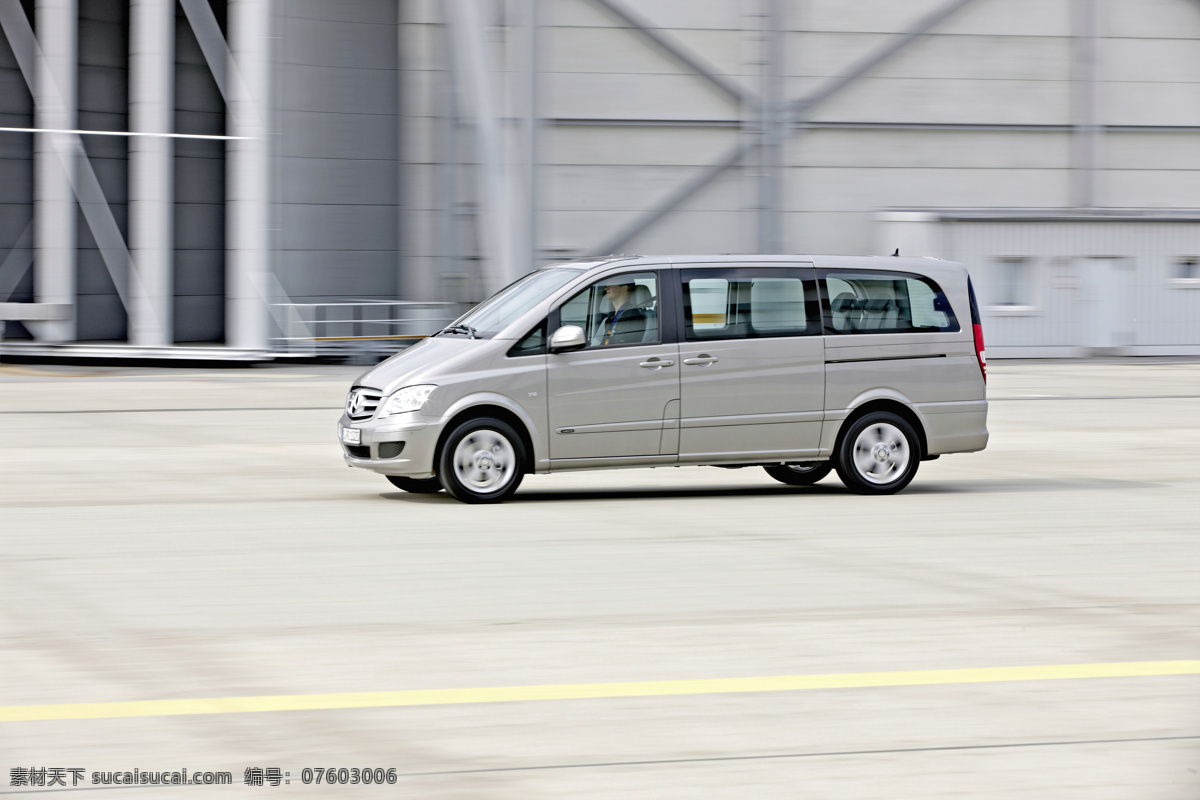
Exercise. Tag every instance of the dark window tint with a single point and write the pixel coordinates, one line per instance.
(886, 302)
(533, 344)
(974, 304)
(748, 303)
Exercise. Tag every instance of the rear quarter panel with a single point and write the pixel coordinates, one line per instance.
(936, 374)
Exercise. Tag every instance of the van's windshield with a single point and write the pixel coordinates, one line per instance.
(498, 311)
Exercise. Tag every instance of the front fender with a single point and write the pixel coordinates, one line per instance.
(481, 400)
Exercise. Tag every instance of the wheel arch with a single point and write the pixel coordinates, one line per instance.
(486, 408)
(892, 404)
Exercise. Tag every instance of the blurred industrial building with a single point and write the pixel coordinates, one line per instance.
(234, 177)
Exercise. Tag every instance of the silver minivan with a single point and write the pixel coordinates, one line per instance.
(798, 364)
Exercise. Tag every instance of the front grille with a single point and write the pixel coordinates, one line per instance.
(390, 449)
(362, 403)
(359, 450)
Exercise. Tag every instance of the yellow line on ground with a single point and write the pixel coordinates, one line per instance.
(591, 691)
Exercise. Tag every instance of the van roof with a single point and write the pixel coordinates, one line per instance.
(888, 263)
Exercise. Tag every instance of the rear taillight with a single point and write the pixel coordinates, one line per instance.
(979, 353)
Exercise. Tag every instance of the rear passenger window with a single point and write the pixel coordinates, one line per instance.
(887, 302)
(748, 303)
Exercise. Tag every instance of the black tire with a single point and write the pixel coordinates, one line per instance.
(482, 461)
(803, 473)
(879, 454)
(416, 485)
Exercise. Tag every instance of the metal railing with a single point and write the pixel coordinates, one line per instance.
(358, 329)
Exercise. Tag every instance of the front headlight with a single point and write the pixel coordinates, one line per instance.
(410, 398)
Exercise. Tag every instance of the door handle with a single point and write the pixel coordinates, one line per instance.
(655, 363)
(701, 361)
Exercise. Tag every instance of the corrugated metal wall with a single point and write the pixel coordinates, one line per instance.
(336, 161)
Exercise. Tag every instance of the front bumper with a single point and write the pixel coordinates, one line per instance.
(380, 438)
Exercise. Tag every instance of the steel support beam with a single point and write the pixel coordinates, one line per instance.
(532, 125)
(212, 42)
(55, 164)
(247, 175)
(121, 134)
(802, 107)
(241, 68)
(678, 52)
(695, 64)
(1059, 214)
(876, 126)
(1085, 83)
(797, 112)
(642, 122)
(774, 132)
(676, 198)
(404, 266)
(474, 81)
(448, 224)
(65, 160)
(151, 198)
(34, 312)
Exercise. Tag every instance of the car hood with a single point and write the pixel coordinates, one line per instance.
(424, 362)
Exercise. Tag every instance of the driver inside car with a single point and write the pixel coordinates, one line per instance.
(627, 321)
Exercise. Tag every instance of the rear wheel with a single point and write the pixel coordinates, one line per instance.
(482, 461)
(416, 485)
(879, 454)
(800, 474)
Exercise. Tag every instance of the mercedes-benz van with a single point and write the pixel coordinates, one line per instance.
(799, 364)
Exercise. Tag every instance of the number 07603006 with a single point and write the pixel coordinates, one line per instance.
(348, 775)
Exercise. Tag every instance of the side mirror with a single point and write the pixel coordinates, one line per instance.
(566, 338)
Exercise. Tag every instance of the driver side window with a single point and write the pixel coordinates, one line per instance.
(619, 309)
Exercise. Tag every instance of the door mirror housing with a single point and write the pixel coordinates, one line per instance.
(567, 338)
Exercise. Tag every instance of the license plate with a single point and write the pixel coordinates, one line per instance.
(351, 436)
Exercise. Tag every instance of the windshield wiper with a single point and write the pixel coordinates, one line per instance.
(467, 329)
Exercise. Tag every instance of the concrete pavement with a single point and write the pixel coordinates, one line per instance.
(194, 534)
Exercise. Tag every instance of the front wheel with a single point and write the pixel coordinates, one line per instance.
(416, 485)
(800, 474)
(482, 461)
(879, 454)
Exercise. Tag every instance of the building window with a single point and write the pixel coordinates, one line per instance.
(1185, 272)
(1013, 284)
